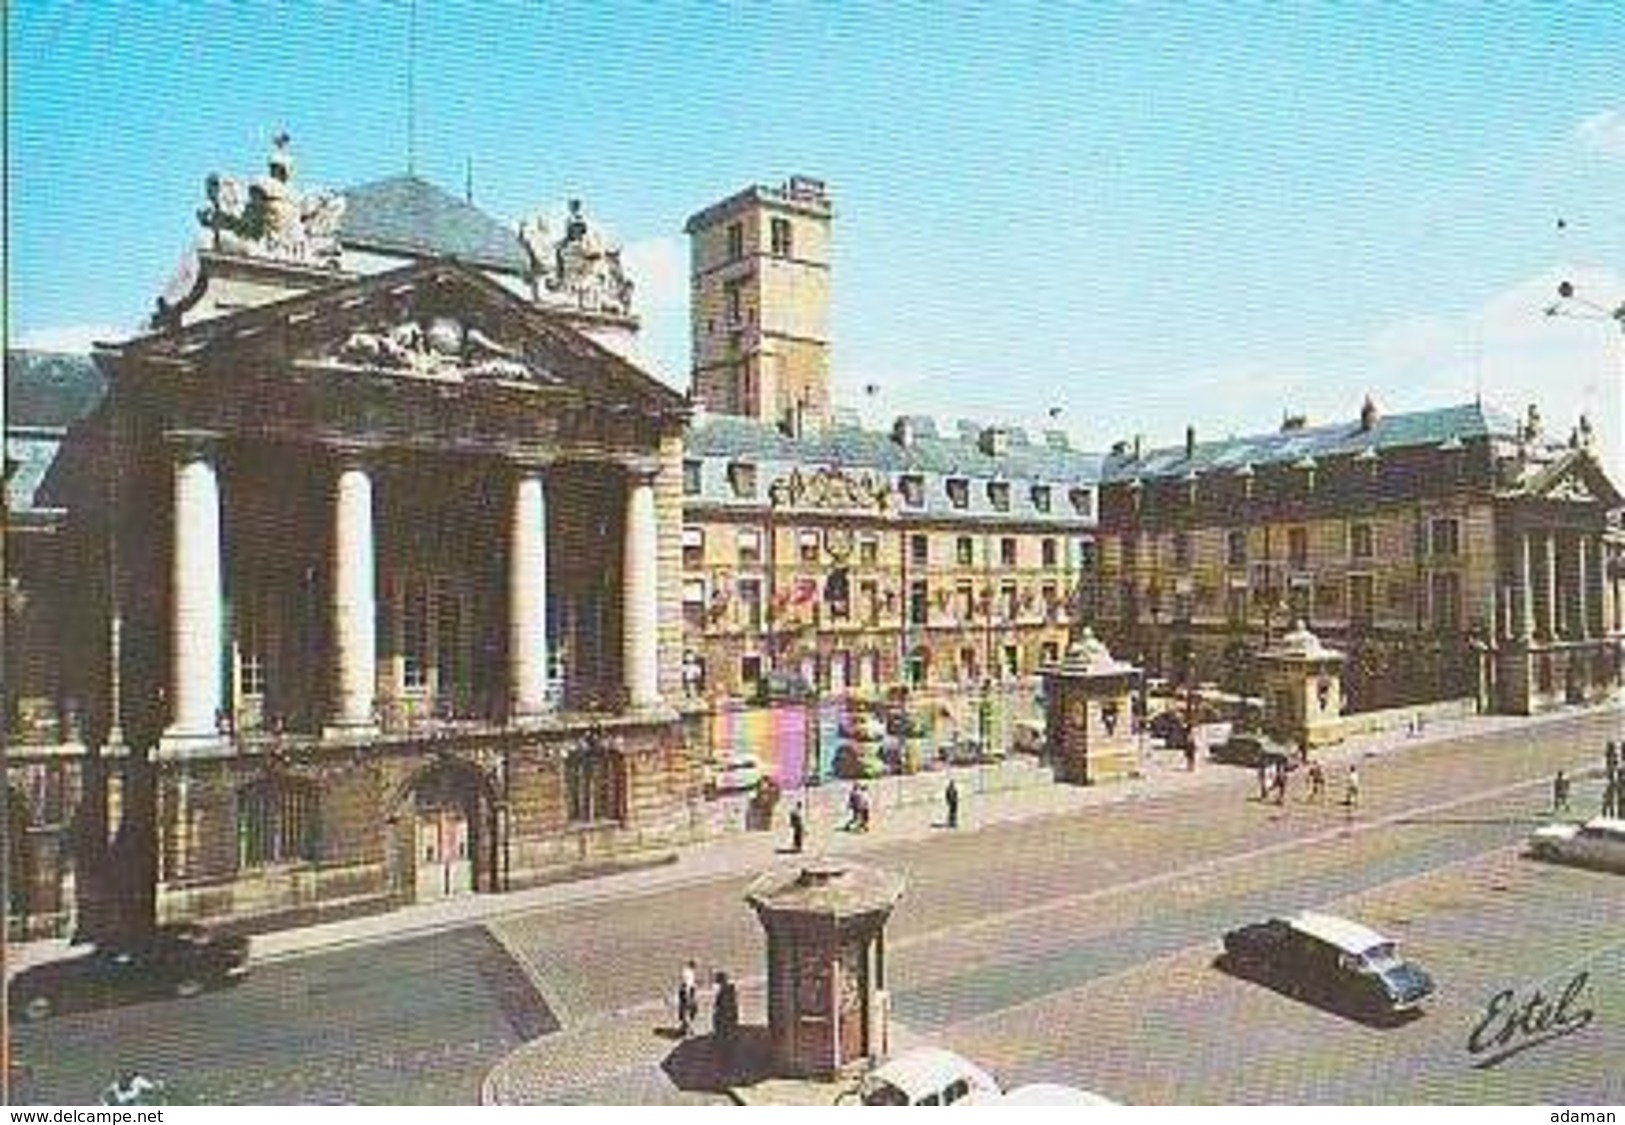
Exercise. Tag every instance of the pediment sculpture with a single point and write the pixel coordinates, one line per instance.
(271, 219)
(580, 267)
(439, 346)
(1571, 488)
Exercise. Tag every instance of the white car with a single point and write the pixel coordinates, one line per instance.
(741, 773)
(1599, 842)
(926, 1076)
(1040, 1093)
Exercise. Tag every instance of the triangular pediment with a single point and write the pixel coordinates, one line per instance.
(1576, 478)
(428, 322)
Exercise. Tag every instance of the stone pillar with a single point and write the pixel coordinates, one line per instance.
(1582, 591)
(355, 607)
(527, 595)
(1526, 588)
(640, 609)
(197, 614)
(1552, 615)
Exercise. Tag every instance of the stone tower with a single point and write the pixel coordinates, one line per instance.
(759, 286)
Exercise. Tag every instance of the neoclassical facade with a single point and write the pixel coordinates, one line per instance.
(354, 581)
(1455, 552)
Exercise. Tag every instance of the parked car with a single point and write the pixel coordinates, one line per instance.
(741, 773)
(926, 1076)
(966, 751)
(1330, 961)
(1599, 843)
(1040, 1093)
(1171, 728)
(178, 960)
(1249, 748)
(1029, 736)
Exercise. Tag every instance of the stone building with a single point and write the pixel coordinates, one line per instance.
(759, 304)
(1451, 553)
(849, 559)
(353, 581)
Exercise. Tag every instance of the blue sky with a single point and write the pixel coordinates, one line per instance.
(1144, 214)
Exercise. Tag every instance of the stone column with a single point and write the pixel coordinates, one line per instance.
(640, 609)
(197, 615)
(1552, 614)
(527, 595)
(355, 605)
(1526, 588)
(1582, 589)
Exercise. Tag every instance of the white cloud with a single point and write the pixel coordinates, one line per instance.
(659, 270)
(1603, 132)
(75, 339)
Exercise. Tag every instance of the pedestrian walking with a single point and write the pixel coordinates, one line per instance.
(1351, 787)
(1278, 784)
(725, 1015)
(950, 797)
(688, 998)
(1190, 755)
(1317, 783)
(854, 807)
(1611, 796)
(1263, 780)
(1560, 792)
(798, 828)
(865, 807)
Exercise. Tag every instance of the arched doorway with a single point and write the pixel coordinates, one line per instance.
(447, 831)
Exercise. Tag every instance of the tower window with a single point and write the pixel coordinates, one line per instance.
(736, 241)
(781, 238)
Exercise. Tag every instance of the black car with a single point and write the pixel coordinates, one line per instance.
(1171, 727)
(1329, 961)
(180, 960)
(1252, 749)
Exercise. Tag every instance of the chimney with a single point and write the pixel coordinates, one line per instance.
(1290, 422)
(1139, 445)
(1190, 442)
(902, 431)
(995, 441)
(1368, 415)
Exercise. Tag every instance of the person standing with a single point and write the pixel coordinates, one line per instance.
(1263, 780)
(854, 807)
(1613, 781)
(1317, 783)
(1351, 791)
(725, 1015)
(1190, 754)
(1560, 792)
(1279, 783)
(688, 998)
(798, 828)
(950, 797)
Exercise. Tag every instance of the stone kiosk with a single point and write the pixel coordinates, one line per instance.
(1303, 689)
(1089, 713)
(827, 1004)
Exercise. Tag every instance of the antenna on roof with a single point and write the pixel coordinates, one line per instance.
(468, 179)
(412, 91)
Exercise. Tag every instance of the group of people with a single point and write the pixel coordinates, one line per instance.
(1272, 782)
(724, 1006)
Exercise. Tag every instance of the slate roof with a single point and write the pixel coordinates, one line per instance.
(716, 441)
(1421, 428)
(409, 215)
(46, 392)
